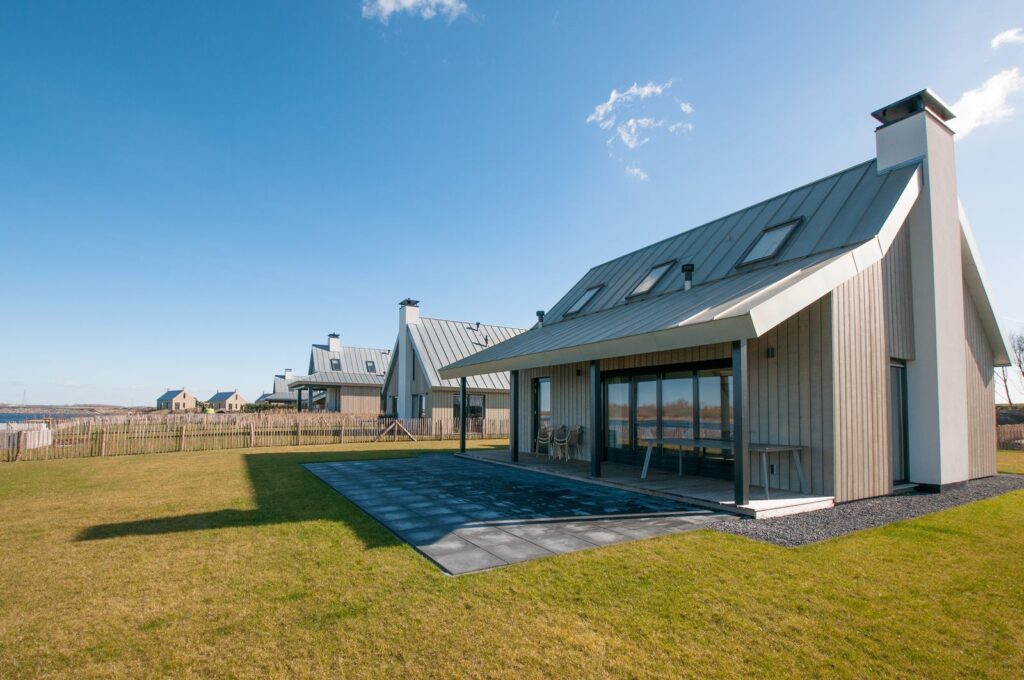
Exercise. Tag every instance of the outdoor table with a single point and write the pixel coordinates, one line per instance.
(762, 449)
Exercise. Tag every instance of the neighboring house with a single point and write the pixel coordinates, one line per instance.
(342, 379)
(848, 316)
(227, 401)
(414, 389)
(175, 400)
(283, 392)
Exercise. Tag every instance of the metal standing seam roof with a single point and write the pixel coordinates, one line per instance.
(439, 342)
(167, 396)
(221, 396)
(283, 397)
(847, 221)
(353, 367)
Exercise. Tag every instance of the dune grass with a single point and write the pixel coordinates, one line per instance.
(1010, 461)
(242, 564)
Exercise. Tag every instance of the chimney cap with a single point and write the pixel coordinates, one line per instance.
(915, 103)
(688, 268)
(333, 335)
(409, 302)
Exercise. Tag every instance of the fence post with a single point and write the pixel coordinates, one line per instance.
(252, 435)
(298, 433)
(21, 444)
(103, 442)
(181, 438)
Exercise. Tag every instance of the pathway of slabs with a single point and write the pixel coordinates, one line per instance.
(469, 516)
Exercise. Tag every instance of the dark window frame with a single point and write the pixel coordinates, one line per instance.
(634, 294)
(335, 364)
(573, 310)
(793, 225)
(456, 405)
(371, 367)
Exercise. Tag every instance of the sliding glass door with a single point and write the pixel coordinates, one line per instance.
(680, 403)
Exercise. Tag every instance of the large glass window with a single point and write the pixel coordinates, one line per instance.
(475, 406)
(715, 404)
(617, 413)
(646, 400)
(541, 404)
(677, 405)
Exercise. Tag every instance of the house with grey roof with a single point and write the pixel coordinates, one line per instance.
(227, 401)
(175, 400)
(342, 379)
(413, 385)
(283, 392)
(832, 343)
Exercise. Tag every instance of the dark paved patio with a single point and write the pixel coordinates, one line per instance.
(469, 516)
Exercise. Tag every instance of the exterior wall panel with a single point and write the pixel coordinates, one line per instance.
(981, 398)
(570, 402)
(860, 387)
(898, 298)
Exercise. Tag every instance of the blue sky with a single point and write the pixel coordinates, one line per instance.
(193, 192)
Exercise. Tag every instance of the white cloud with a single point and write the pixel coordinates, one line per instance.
(686, 107)
(428, 9)
(680, 127)
(637, 173)
(986, 104)
(1008, 37)
(629, 132)
(603, 114)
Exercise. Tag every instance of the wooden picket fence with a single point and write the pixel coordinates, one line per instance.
(1011, 436)
(131, 435)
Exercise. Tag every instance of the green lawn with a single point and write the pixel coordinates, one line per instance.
(1011, 461)
(242, 564)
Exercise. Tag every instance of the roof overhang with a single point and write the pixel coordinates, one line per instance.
(976, 285)
(744, 316)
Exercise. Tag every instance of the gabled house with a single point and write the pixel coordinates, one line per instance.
(283, 392)
(413, 386)
(342, 379)
(227, 401)
(175, 400)
(834, 342)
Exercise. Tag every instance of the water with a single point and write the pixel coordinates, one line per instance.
(21, 417)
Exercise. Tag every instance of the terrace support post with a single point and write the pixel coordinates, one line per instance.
(298, 400)
(740, 433)
(463, 403)
(596, 412)
(513, 426)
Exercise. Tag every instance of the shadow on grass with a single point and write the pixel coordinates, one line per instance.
(285, 492)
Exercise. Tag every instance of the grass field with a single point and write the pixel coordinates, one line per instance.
(1011, 461)
(242, 564)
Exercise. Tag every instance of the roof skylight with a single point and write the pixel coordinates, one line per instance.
(652, 278)
(770, 242)
(583, 300)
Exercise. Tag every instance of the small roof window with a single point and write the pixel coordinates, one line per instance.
(583, 300)
(770, 242)
(371, 367)
(335, 364)
(651, 280)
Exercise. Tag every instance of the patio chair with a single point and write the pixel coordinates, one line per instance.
(560, 441)
(543, 438)
(574, 442)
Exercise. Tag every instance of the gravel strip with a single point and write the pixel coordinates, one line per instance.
(846, 518)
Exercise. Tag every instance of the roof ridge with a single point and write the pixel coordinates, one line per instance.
(470, 323)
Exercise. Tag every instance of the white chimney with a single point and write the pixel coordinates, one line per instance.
(288, 374)
(333, 342)
(915, 129)
(408, 315)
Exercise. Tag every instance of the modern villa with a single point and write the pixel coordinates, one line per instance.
(413, 387)
(342, 379)
(833, 343)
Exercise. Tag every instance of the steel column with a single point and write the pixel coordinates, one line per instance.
(513, 420)
(741, 437)
(463, 419)
(596, 416)
(298, 401)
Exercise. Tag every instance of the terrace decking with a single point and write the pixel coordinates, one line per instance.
(702, 491)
